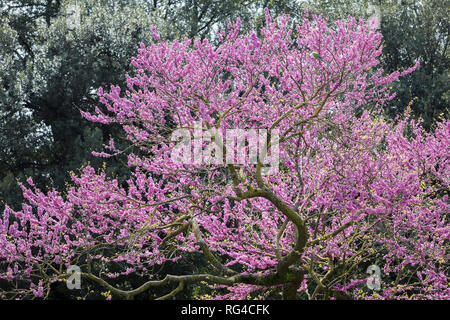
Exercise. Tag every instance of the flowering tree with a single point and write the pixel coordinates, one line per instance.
(350, 190)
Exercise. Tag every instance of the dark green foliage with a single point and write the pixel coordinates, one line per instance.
(419, 30)
(46, 81)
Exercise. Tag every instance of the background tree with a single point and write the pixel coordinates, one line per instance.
(56, 73)
(24, 142)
